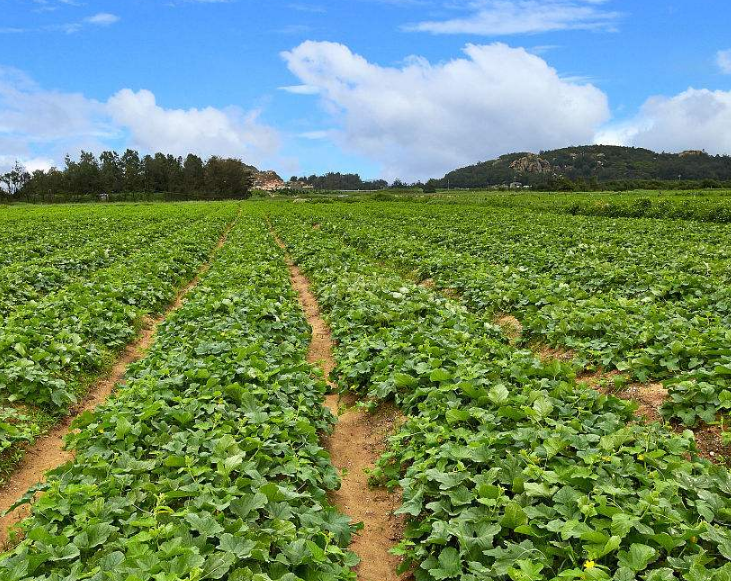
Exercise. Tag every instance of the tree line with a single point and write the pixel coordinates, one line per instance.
(130, 177)
(340, 181)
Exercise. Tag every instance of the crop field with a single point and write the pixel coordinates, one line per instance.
(537, 392)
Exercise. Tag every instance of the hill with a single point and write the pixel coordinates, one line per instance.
(590, 164)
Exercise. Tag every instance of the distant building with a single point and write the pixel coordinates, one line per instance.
(103, 197)
(516, 186)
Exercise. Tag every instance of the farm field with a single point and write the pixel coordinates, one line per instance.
(75, 287)
(542, 372)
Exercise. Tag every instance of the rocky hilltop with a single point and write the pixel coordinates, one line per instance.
(531, 163)
(590, 163)
(267, 181)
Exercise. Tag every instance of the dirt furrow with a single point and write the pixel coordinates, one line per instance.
(354, 446)
(48, 451)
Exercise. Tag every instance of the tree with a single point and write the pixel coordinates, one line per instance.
(111, 172)
(83, 176)
(133, 170)
(15, 180)
(176, 178)
(227, 178)
(194, 175)
(430, 187)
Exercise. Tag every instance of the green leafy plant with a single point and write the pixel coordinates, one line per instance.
(509, 468)
(206, 464)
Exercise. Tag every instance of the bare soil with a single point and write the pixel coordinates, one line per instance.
(357, 441)
(708, 442)
(546, 352)
(510, 325)
(649, 396)
(48, 452)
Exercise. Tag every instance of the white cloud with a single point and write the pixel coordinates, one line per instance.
(7, 162)
(423, 119)
(209, 131)
(301, 89)
(504, 17)
(50, 6)
(30, 113)
(39, 125)
(102, 19)
(693, 119)
(723, 60)
(99, 19)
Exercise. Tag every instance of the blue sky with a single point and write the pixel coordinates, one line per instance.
(393, 88)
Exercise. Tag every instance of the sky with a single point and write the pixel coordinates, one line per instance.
(405, 89)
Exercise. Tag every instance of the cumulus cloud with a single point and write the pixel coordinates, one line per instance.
(422, 119)
(31, 164)
(693, 119)
(29, 113)
(723, 60)
(229, 132)
(504, 17)
(39, 126)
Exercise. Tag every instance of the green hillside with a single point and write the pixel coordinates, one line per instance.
(590, 164)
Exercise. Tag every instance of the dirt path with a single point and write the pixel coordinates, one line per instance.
(48, 451)
(355, 444)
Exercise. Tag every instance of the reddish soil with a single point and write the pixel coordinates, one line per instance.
(649, 396)
(355, 444)
(708, 441)
(510, 325)
(545, 352)
(49, 452)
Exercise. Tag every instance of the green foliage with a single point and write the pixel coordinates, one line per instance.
(586, 167)
(118, 177)
(509, 468)
(81, 297)
(206, 463)
(649, 298)
(335, 181)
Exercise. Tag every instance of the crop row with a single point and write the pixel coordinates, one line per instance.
(206, 464)
(52, 348)
(649, 298)
(38, 233)
(703, 206)
(26, 281)
(509, 468)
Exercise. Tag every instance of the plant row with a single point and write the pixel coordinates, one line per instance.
(206, 464)
(37, 233)
(30, 280)
(697, 206)
(509, 468)
(649, 298)
(52, 349)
